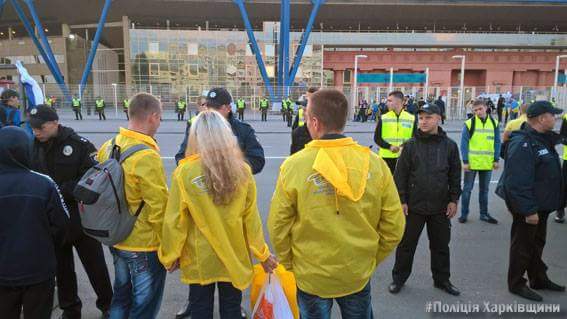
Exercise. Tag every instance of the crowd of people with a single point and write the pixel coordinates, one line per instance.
(337, 212)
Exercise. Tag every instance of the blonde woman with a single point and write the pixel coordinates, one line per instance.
(212, 223)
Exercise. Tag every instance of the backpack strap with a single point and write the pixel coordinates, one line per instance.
(130, 151)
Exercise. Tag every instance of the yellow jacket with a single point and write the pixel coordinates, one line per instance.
(212, 242)
(335, 215)
(144, 179)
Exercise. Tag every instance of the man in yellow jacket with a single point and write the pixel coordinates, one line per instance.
(335, 214)
(139, 275)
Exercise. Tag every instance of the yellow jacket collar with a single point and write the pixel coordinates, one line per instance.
(140, 137)
(347, 141)
(190, 158)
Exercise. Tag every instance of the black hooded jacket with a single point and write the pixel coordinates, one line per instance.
(531, 181)
(428, 173)
(32, 215)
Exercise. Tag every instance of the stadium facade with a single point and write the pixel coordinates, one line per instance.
(181, 47)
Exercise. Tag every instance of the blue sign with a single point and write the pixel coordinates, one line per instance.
(562, 79)
(385, 78)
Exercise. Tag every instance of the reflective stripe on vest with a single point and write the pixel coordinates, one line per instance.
(481, 145)
(264, 104)
(76, 102)
(181, 105)
(300, 121)
(99, 104)
(126, 104)
(396, 131)
(240, 104)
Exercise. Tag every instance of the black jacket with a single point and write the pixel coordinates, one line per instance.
(247, 140)
(65, 158)
(32, 215)
(299, 138)
(428, 173)
(531, 181)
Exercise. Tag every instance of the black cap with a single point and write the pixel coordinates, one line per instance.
(9, 93)
(42, 114)
(538, 108)
(431, 108)
(218, 97)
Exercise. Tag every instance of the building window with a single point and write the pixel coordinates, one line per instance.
(346, 76)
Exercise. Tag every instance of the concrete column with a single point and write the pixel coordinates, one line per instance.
(338, 79)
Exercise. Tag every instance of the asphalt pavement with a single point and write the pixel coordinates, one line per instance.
(479, 251)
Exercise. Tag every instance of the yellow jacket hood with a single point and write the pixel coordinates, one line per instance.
(346, 170)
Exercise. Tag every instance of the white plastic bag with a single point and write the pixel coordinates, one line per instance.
(272, 302)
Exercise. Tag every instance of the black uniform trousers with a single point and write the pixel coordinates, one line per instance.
(241, 114)
(439, 233)
(92, 257)
(35, 300)
(180, 115)
(78, 114)
(526, 249)
(127, 116)
(391, 163)
(101, 115)
(264, 115)
(289, 117)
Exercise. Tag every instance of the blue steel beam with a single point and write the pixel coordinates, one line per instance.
(286, 23)
(94, 47)
(31, 33)
(281, 53)
(257, 53)
(46, 45)
(304, 38)
(2, 2)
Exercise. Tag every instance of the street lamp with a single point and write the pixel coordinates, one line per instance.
(355, 86)
(559, 57)
(462, 89)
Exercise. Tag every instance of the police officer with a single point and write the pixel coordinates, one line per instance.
(125, 106)
(289, 112)
(100, 106)
(284, 110)
(532, 188)
(65, 156)
(181, 107)
(219, 100)
(300, 135)
(264, 105)
(393, 129)
(480, 150)
(428, 177)
(240, 107)
(560, 215)
(77, 108)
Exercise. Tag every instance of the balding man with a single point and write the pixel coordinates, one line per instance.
(139, 275)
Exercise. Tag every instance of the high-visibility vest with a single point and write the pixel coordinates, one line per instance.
(99, 104)
(76, 102)
(192, 119)
(396, 130)
(264, 104)
(300, 120)
(284, 105)
(240, 104)
(481, 144)
(126, 104)
(181, 105)
(48, 101)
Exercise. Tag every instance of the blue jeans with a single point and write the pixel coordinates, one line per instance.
(484, 183)
(139, 279)
(355, 306)
(202, 300)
